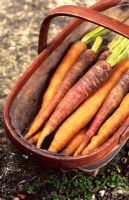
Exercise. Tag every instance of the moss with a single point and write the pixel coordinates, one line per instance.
(78, 185)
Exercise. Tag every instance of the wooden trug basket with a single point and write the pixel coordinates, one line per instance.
(23, 102)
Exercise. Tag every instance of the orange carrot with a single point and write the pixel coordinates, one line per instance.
(82, 116)
(109, 127)
(35, 138)
(110, 104)
(67, 62)
(74, 143)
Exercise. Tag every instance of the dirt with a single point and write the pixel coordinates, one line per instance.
(19, 172)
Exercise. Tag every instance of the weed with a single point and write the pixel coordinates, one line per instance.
(112, 180)
(31, 189)
(76, 185)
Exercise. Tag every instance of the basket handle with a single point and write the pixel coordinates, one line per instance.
(100, 6)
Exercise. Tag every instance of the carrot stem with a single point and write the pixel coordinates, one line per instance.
(101, 33)
(97, 44)
(111, 46)
(94, 33)
(120, 52)
(115, 42)
(115, 60)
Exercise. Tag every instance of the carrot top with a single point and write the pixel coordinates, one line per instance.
(119, 52)
(97, 44)
(114, 43)
(99, 31)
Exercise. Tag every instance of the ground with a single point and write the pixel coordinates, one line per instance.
(20, 176)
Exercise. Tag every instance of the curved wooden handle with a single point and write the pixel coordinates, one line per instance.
(100, 6)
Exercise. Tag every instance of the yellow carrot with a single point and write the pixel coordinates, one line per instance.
(109, 127)
(82, 116)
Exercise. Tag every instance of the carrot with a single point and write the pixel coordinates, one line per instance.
(91, 81)
(83, 115)
(74, 143)
(35, 138)
(68, 61)
(110, 126)
(110, 104)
